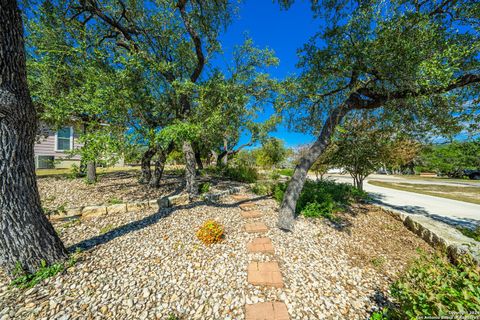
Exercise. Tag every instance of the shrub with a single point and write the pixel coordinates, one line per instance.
(114, 200)
(274, 175)
(75, 172)
(211, 171)
(316, 210)
(381, 315)
(263, 188)
(241, 173)
(433, 286)
(210, 232)
(279, 191)
(61, 209)
(474, 234)
(204, 187)
(322, 198)
(25, 280)
(285, 172)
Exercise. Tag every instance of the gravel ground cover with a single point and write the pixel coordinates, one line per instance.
(111, 188)
(149, 265)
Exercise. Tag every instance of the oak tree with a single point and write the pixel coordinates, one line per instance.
(407, 58)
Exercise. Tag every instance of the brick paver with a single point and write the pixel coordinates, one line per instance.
(240, 197)
(260, 245)
(251, 214)
(265, 274)
(254, 227)
(266, 311)
(247, 206)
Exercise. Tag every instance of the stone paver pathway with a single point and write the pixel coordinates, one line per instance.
(256, 227)
(240, 197)
(263, 245)
(265, 274)
(267, 310)
(251, 214)
(247, 206)
(261, 273)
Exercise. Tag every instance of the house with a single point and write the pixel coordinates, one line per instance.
(53, 147)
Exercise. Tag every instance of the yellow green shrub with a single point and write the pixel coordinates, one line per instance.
(210, 232)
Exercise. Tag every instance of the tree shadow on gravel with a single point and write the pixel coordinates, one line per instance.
(88, 244)
(145, 222)
(381, 301)
(235, 204)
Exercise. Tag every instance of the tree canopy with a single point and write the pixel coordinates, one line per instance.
(409, 61)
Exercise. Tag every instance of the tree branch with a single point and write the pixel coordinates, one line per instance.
(230, 152)
(92, 7)
(365, 98)
(196, 40)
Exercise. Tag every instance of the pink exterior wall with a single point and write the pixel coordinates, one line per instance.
(46, 146)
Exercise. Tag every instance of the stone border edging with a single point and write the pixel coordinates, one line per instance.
(212, 197)
(439, 235)
(162, 203)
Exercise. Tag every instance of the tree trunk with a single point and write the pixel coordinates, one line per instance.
(158, 171)
(225, 155)
(191, 183)
(208, 159)
(214, 155)
(198, 160)
(360, 184)
(355, 181)
(91, 172)
(83, 164)
(221, 159)
(286, 216)
(146, 175)
(160, 165)
(27, 238)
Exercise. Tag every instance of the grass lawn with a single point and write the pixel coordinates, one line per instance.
(445, 179)
(466, 194)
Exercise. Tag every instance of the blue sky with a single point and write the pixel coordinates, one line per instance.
(284, 31)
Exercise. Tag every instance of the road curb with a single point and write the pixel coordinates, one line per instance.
(439, 235)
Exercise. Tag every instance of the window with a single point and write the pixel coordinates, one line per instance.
(64, 139)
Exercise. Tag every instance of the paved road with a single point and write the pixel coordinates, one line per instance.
(449, 211)
(418, 180)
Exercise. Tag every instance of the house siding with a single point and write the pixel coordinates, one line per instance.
(45, 146)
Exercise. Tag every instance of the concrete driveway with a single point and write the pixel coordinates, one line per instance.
(445, 210)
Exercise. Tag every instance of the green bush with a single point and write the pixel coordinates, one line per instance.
(474, 234)
(285, 172)
(279, 191)
(61, 209)
(25, 280)
(241, 173)
(433, 286)
(381, 315)
(263, 188)
(323, 209)
(114, 200)
(172, 316)
(322, 198)
(211, 171)
(274, 175)
(204, 187)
